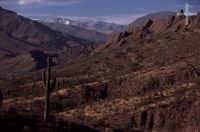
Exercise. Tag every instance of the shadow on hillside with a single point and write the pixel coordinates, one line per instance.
(41, 59)
(13, 121)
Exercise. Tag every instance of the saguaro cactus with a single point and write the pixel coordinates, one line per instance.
(48, 87)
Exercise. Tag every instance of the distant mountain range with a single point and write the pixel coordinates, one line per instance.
(98, 31)
(92, 35)
(99, 26)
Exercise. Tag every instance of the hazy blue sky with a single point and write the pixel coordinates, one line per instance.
(117, 11)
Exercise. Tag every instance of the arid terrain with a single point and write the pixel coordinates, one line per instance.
(142, 79)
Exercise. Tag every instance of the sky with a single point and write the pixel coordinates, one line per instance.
(114, 11)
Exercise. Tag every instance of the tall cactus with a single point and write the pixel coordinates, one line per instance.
(48, 86)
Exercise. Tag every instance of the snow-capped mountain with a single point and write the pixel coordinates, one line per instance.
(76, 31)
(63, 21)
(98, 25)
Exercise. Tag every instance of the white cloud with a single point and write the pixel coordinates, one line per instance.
(40, 2)
(28, 2)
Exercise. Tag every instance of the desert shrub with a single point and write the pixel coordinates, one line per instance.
(170, 125)
(66, 103)
(135, 66)
(106, 58)
(70, 102)
(197, 80)
(74, 82)
(129, 49)
(4, 93)
(194, 114)
(119, 54)
(1, 98)
(79, 81)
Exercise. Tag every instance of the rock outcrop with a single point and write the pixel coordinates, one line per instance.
(150, 27)
(180, 13)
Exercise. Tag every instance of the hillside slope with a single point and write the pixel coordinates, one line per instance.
(158, 15)
(141, 80)
(20, 36)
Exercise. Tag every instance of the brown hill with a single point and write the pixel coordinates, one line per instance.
(20, 36)
(150, 27)
(152, 16)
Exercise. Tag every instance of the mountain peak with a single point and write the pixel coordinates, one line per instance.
(2, 10)
(98, 25)
(152, 16)
(61, 20)
(67, 22)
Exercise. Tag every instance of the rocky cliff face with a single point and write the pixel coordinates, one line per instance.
(150, 27)
(153, 16)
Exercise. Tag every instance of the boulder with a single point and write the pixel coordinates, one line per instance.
(180, 13)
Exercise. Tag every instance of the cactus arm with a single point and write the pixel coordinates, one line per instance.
(44, 77)
(48, 73)
(53, 85)
(58, 82)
